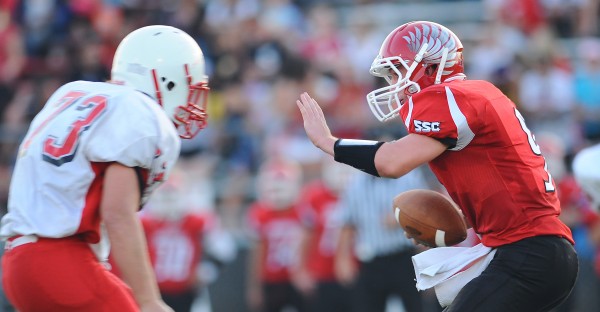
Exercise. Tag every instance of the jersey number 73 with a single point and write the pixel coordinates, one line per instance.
(82, 113)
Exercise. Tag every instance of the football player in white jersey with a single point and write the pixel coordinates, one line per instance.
(89, 161)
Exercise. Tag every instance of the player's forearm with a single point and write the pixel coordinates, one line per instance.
(119, 205)
(131, 256)
(301, 263)
(254, 266)
(344, 249)
(345, 268)
(396, 158)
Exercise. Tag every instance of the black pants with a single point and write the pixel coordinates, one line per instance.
(331, 296)
(181, 302)
(281, 296)
(385, 276)
(534, 274)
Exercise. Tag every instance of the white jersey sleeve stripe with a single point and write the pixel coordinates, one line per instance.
(465, 134)
(410, 109)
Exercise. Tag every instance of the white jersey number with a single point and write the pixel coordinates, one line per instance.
(548, 184)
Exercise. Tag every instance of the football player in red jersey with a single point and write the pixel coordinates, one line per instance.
(314, 273)
(176, 235)
(479, 147)
(275, 226)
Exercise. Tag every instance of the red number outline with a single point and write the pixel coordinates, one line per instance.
(65, 102)
(59, 154)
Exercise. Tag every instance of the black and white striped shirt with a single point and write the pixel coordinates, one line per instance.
(367, 202)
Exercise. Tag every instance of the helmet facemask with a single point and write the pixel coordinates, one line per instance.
(385, 102)
(191, 117)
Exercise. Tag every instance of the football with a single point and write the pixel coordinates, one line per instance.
(430, 218)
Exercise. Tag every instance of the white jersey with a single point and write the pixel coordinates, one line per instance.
(56, 186)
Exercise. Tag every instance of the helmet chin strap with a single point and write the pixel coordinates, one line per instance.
(438, 76)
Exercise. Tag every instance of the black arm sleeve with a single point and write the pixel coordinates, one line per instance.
(359, 154)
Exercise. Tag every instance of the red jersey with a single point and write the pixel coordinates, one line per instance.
(493, 169)
(280, 231)
(319, 215)
(175, 248)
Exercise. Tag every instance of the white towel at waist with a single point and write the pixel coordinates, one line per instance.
(448, 269)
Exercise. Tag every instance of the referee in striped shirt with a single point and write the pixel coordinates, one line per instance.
(371, 234)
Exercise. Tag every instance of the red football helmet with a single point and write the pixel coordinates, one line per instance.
(419, 54)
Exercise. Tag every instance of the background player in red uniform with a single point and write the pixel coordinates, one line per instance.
(478, 145)
(90, 160)
(176, 234)
(320, 213)
(275, 224)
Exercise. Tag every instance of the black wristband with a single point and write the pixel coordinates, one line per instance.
(359, 154)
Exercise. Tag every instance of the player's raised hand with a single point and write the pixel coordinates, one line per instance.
(315, 124)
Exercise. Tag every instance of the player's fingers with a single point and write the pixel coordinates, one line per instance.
(301, 107)
(318, 109)
(414, 241)
(310, 104)
(304, 104)
(305, 100)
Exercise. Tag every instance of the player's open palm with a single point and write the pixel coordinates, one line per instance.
(315, 124)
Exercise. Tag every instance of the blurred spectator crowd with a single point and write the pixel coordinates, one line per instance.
(261, 54)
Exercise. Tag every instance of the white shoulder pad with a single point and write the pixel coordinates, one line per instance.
(587, 172)
(133, 131)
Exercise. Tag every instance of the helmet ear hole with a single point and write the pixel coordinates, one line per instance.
(431, 69)
(170, 85)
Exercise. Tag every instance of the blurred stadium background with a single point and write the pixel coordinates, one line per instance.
(261, 54)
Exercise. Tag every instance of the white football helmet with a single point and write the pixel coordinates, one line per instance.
(419, 54)
(279, 183)
(168, 65)
(171, 201)
(587, 173)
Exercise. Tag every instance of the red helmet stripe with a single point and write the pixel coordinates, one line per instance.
(156, 87)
